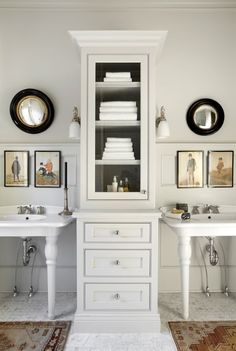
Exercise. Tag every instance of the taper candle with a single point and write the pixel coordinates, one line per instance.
(65, 175)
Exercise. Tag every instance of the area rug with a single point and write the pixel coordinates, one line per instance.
(33, 336)
(204, 336)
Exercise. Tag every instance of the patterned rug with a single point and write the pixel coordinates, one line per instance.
(204, 336)
(33, 336)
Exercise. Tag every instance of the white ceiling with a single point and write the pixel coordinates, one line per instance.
(107, 4)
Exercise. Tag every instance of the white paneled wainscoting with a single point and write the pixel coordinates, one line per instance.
(66, 262)
(168, 194)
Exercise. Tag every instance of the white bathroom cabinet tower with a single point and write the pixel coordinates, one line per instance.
(117, 232)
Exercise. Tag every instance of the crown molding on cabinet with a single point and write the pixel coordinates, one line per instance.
(115, 4)
(114, 38)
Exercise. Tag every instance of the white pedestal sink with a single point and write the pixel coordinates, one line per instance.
(50, 226)
(203, 224)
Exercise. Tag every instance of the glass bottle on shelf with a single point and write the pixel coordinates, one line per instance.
(126, 185)
(120, 187)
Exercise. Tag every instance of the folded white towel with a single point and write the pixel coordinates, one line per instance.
(118, 156)
(173, 215)
(118, 74)
(118, 116)
(118, 149)
(119, 145)
(118, 79)
(118, 153)
(118, 109)
(120, 140)
(118, 103)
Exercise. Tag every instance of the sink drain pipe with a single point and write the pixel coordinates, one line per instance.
(213, 254)
(226, 289)
(27, 251)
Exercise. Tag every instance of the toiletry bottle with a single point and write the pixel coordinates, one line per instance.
(120, 187)
(114, 184)
(126, 185)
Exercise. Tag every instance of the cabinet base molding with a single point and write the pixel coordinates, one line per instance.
(116, 323)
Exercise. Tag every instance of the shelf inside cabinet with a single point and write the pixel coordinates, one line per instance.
(122, 85)
(117, 162)
(108, 124)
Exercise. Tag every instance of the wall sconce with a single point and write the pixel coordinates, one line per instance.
(163, 130)
(74, 128)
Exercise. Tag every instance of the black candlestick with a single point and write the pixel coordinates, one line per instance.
(65, 175)
(66, 211)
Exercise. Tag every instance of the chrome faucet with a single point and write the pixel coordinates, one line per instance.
(211, 209)
(28, 209)
(25, 209)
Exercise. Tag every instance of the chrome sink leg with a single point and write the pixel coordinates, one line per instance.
(31, 292)
(208, 294)
(226, 291)
(15, 291)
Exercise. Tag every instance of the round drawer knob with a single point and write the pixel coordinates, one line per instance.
(117, 232)
(117, 262)
(117, 296)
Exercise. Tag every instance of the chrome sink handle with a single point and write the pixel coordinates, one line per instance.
(214, 209)
(211, 209)
(20, 210)
(40, 210)
(195, 210)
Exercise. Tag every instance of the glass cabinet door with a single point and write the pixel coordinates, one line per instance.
(117, 127)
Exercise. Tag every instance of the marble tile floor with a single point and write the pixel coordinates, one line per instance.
(217, 307)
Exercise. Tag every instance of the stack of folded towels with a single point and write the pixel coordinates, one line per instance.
(118, 148)
(117, 77)
(118, 111)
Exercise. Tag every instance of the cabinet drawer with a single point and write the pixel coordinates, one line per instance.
(117, 296)
(117, 232)
(117, 262)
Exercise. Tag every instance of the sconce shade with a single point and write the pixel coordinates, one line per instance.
(163, 130)
(74, 128)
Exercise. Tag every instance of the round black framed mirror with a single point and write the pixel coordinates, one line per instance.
(205, 116)
(32, 111)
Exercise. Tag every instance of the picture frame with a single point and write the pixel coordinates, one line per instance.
(220, 169)
(47, 169)
(190, 169)
(16, 168)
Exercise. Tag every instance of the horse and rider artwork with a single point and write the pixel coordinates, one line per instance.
(47, 169)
